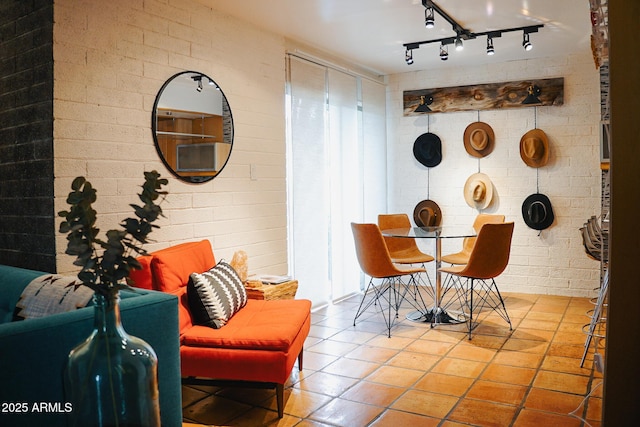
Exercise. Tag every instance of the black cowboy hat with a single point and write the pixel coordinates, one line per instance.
(537, 211)
(427, 149)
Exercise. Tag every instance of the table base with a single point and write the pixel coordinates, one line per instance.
(441, 317)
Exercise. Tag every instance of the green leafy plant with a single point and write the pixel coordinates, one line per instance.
(105, 263)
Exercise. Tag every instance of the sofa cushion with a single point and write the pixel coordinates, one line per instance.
(142, 278)
(260, 325)
(13, 281)
(172, 266)
(215, 295)
(51, 294)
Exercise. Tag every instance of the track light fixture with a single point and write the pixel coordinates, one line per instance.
(490, 49)
(198, 80)
(429, 21)
(444, 52)
(463, 34)
(526, 43)
(408, 56)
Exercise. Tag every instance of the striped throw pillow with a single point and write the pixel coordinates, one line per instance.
(216, 295)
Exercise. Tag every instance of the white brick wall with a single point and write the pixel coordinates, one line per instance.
(110, 60)
(554, 262)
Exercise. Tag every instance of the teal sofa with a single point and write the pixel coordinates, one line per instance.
(33, 352)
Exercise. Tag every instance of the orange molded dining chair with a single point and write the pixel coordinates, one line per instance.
(375, 262)
(462, 257)
(474, 282)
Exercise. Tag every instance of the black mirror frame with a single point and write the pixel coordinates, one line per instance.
(154, 130)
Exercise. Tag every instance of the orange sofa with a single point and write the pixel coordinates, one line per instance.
(258, 346)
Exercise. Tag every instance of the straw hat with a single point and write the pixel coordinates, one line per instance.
(427, 149)
(537, 211)
(478, 191)
(479, 139)
(534, 148)
(427, 214)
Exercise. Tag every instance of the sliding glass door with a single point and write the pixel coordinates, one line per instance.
(336, 174)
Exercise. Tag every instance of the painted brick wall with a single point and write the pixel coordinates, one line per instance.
(111, 58)
(553, 262)
(26, 135)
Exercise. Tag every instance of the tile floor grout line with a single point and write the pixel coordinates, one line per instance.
(340, 324)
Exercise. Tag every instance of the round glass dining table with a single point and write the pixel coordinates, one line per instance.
(435, 314)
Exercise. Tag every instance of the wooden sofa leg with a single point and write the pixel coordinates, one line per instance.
(280, 399)
(300, 359)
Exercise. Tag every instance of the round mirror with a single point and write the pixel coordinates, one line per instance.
(192, 126)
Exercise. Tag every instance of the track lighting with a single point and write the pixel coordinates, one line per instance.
(444, 52)
(490, 49)
(408, 56)
(463, 34)
(198, 80)
(526, 44)
(458, 43)
(429, 21)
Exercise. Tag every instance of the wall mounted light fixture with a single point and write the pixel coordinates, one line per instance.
(533, 92)
(463, 34)
(424, 104)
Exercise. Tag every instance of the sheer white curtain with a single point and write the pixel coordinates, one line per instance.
(336, 174)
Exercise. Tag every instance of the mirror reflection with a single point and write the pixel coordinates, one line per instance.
(192, 127)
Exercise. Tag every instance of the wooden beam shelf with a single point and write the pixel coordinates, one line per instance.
(488, 96)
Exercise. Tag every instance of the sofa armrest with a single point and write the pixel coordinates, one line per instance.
(34, 354)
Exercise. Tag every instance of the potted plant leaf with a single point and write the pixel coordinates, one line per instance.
(112, 376)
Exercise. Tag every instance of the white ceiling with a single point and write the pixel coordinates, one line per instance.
(371, 32)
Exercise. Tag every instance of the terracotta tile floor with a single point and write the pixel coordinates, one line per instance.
(357, 376)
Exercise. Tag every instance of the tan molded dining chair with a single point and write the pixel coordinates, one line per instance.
(462, 257)
(375, 262)
(402, 250)
(474, 282)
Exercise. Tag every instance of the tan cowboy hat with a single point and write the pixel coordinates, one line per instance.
(534, 148)
(479, 139)
(427, 214)
(478, 191)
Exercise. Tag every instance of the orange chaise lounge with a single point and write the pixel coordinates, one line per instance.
(257, 346)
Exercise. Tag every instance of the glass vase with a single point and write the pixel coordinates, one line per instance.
(112, 376)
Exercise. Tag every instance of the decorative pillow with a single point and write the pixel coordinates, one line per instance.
(216, 295)
(51, 294)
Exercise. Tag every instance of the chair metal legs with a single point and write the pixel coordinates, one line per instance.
(476, 295)
(414, 286)
(598, 319)
(388, 296)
